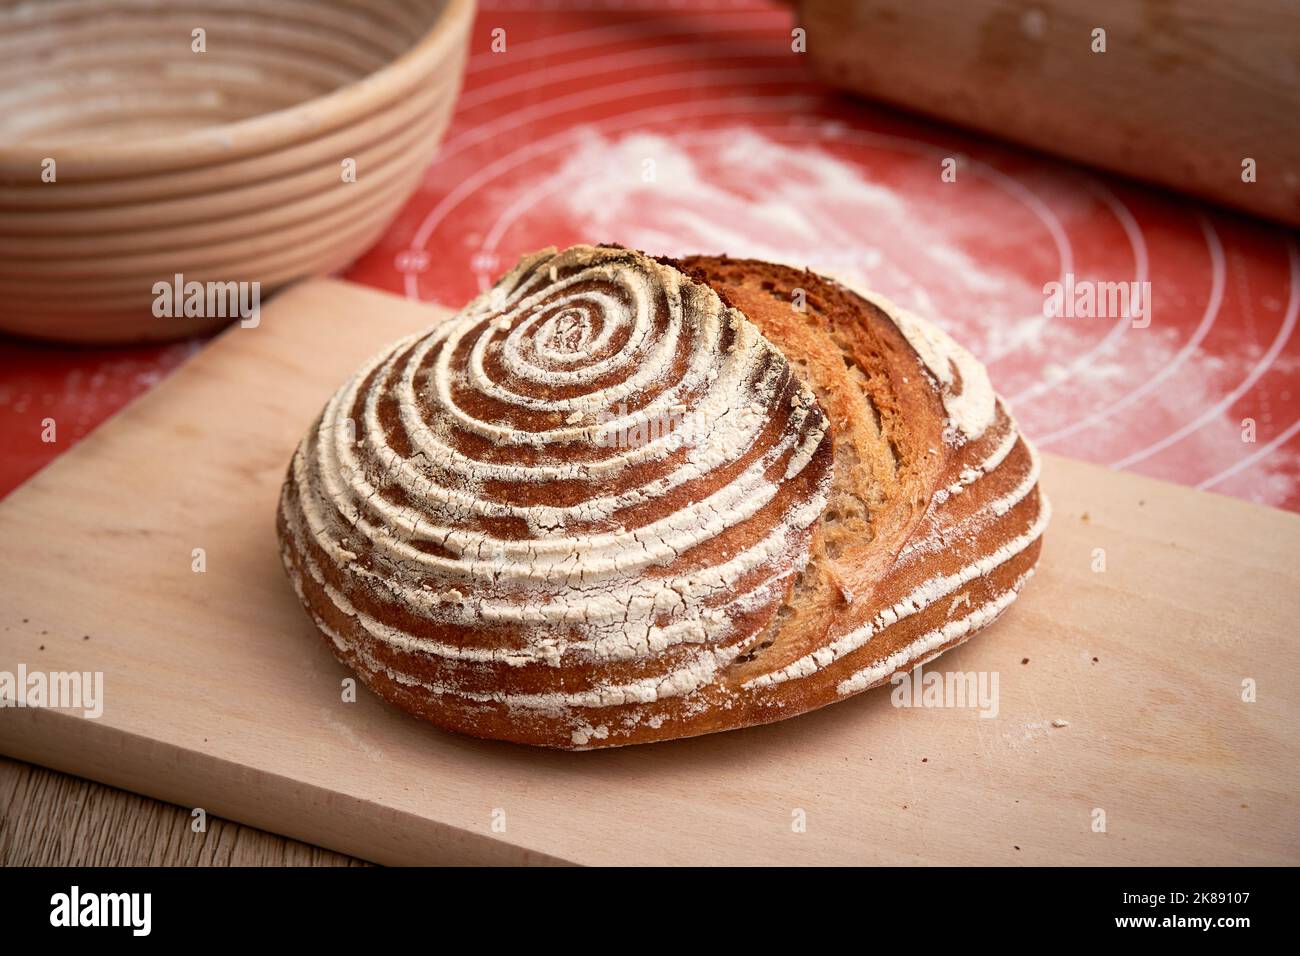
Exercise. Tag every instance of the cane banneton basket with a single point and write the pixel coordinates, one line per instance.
(227, 141)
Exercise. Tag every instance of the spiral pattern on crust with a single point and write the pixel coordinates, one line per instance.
(597, 479)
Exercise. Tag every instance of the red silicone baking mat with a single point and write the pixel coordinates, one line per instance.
(682, 128)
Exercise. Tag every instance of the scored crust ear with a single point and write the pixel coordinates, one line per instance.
(899, 474)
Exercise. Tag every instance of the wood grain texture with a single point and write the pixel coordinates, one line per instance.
(52, 819)
(1182, 94)
(219, 694)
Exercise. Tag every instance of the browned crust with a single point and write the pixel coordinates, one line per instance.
(887, 423)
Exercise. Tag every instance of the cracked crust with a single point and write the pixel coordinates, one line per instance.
(899, 507)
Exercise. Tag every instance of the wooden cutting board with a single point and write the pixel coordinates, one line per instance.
(219, 695)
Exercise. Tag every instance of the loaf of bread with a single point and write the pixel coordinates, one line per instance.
(619, 499)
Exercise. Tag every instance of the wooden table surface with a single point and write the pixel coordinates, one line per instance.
(53, 819)
(239, 711)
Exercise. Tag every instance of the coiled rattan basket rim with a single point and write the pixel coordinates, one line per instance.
(258, 134)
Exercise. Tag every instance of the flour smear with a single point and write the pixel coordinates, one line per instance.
(974, 262)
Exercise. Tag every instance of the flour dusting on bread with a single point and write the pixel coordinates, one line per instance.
(617, 499)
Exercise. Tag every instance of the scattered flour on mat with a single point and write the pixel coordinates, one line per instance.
(977, 267)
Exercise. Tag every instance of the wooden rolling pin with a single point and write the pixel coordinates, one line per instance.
(1202, 96)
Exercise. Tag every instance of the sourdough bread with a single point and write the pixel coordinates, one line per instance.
(619, 499)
